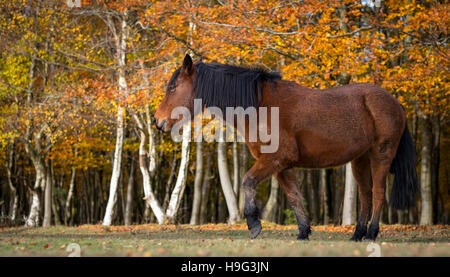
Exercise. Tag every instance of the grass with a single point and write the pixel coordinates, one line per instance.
(219, 240)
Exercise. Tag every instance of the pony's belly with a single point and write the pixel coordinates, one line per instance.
(323, 154)
(328, 162)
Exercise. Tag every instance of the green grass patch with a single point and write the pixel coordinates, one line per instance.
(217, 240)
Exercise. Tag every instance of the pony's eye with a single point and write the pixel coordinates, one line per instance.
(172, 88)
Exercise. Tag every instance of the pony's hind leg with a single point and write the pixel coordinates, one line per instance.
(288, 183)
(361, 172)
(262, 169)
(380, 163)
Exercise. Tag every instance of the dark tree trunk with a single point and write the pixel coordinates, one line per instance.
(435, 168)
(426, 214)
(130, 194)
(207, 176)
(197, 196)
(313, 194)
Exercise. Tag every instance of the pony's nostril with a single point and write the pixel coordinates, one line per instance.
(159, 126)
(163, 124)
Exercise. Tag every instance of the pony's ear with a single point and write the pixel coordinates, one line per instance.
(187, 64)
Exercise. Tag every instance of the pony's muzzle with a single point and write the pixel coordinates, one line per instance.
(161, 126)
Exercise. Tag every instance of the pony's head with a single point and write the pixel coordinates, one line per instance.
(217, 85)
(179, 93)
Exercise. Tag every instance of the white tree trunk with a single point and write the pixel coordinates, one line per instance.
(35, 209)
(33, 216)
(38, 163)
(14, 206)
(35, 155)
(151, 143)
(195, 215)
(349, 209)
(146, 182)
(121, 48)
(151, 136)
(230, 197)
(14, 195)
(150, 197)
(109, 213)
(47, 222)
(67, 211)
(269, 212)
(150, 169)
(180, 184)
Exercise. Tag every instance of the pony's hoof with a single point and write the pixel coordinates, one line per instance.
(254, 232)
(360, 232)
(372, 233)
(305, 231)
(355, 239)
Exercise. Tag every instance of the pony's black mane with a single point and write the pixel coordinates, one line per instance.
(222, 85)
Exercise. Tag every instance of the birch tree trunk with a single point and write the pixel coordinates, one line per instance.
(39, 166)
(121, 47)
(67, 208)
(349, 209)
(35, 209)
(178, 190)
(14, 195)
(426, 213)
(269, 212)
(151, 142)
(150, 198)
(35, 155)
(225, 181)
(197, 198)
(48, 197)
(151, 201)
(33, 216)
(110, 206)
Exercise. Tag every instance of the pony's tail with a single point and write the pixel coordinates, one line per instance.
(403, 166)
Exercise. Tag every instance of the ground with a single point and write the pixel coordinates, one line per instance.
(220, 240)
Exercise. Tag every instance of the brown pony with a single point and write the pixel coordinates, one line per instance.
(361, 123)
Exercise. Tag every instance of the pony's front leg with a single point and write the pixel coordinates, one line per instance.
(262, 169)
(288, 183)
